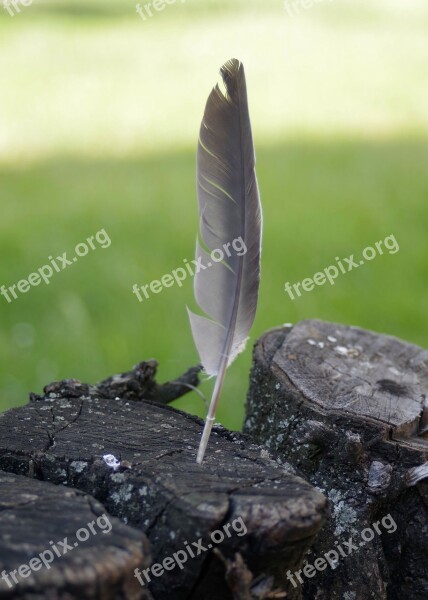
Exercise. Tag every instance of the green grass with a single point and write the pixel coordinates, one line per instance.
(99, 115)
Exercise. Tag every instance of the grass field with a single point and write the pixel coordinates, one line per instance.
(99, 114)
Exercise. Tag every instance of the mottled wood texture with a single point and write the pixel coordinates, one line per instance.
(160, 490)
(347, 409)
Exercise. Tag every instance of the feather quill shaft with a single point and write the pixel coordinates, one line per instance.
(226, 289)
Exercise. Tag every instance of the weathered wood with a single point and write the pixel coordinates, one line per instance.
(160, 489)
(347, 408)
(44, 553)
(137, 384)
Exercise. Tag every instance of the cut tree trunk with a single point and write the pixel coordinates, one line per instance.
(347, 409)
(138, 459)
(59, 543)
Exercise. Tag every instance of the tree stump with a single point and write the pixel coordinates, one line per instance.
(347, 408)
(59, 543)
(138, 459)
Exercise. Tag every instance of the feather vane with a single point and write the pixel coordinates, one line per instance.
(230, 225)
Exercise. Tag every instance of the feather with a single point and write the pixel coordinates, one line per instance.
(228, 251)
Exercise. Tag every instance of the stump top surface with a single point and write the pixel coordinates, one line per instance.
(354, 371)
(156, 449)
(154, 483)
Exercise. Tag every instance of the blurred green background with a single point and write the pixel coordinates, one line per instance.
(99, 117)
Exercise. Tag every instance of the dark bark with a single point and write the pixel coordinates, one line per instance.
(159, 489)
(35, 513)
(347, 409)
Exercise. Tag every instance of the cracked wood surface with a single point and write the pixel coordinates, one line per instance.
(349, 370)
(35, 513)
(160, 489)
(347, 409)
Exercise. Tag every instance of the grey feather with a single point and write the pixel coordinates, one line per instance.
(229, 206)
